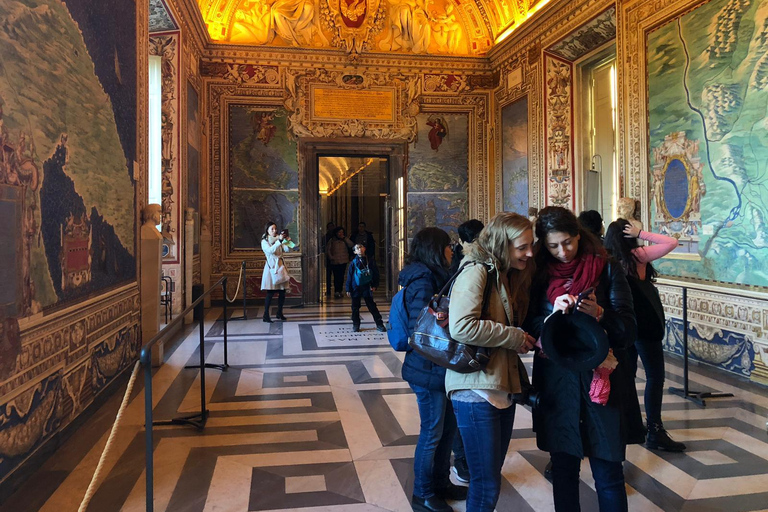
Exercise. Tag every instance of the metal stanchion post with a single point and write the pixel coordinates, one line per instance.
(695, 396)
(149, 453)
(226, 362)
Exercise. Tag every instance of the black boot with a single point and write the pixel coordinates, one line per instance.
(267, 301)
(280, 302)
(658, 439)
(433, 504)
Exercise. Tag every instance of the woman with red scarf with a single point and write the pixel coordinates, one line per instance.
(571, 423)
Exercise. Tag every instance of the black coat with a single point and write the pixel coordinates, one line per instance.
(566, 419)
(422, 284)
(361, 291)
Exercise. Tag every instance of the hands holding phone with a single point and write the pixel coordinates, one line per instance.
(586, 302)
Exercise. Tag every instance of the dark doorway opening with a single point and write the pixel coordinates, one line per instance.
(349, 183)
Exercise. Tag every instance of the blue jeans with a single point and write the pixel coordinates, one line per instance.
(609, 483)
(432, 460)
(652, 355)
(486, 432)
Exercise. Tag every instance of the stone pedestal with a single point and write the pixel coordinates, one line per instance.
(205, 259)
(151, 256)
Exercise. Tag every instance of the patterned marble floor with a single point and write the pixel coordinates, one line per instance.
(313, 416)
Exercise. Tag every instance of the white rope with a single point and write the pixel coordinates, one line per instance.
(97, 474)
(239, 280)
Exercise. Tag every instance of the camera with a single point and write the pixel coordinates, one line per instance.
(285, 233)
(529, 397)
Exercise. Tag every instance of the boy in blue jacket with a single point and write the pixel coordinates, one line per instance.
(362, 281)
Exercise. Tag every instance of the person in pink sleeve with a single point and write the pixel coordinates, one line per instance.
(621, 240)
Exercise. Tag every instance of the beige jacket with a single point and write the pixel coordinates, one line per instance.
(494, 329)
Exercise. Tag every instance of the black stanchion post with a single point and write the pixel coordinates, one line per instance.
(226, 362)
(695, 396)
(149, 461)
(203, 411)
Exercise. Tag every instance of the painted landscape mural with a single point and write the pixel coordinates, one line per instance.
(264, 177)
(708, 100)
(438, 175)
(514, 156)
(67, 153)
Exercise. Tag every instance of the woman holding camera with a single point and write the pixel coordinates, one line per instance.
(571, 424)
(489, 299)
(273, 278)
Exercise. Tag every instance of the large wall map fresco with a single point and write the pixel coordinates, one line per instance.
(68, 142)
(514, 156)
(68, 147)
(438, 173)
(264, 177)
(708, 101)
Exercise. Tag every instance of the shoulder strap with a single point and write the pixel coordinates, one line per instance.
(487, 291)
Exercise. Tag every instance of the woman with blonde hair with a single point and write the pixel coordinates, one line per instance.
(489, 300)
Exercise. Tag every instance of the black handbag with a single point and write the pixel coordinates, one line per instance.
(432, 339)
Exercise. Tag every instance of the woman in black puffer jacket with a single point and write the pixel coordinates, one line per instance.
(568, 423)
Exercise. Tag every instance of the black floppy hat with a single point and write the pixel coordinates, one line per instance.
(574, 340)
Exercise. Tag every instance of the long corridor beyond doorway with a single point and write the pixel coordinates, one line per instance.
(353, 192)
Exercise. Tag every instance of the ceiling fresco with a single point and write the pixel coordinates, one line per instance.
(432, 27)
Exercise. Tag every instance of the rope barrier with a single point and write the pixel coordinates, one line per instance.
(239, 280)
(97, 474)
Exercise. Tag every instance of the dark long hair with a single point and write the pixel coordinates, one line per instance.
(428, 247)
(621, 248)
(266, 229)
(557, 218)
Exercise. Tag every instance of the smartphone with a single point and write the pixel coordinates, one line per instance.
(583, 295)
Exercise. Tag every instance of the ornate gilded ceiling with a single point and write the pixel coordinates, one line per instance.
(436, 27)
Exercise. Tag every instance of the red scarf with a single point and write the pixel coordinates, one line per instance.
(575, 276)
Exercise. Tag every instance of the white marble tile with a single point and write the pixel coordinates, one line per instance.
(294, 378)
(527, 481)
(677, 480)
(381, 486)
(710, 457)
(309, 483)
(271, 419)
(732, 486)
(376, 368)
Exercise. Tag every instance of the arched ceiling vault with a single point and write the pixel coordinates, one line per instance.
(434, 27)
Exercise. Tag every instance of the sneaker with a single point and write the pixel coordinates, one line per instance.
(659, 439)
(460, 470)
(381, 328)
(356, 328)
(452, 492)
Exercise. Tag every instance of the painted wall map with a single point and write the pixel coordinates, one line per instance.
(193, 159)
(68, 147)
(68, 142)
(264, 178)
(438, 173)
(514, 156)
(707, 77)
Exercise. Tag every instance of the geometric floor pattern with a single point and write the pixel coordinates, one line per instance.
(312, 416)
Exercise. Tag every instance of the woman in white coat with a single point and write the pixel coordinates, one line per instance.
(273, 277)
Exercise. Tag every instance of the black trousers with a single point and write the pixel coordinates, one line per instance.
(374, 310)
(327, 276)
(280, 301)
(338, 277)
